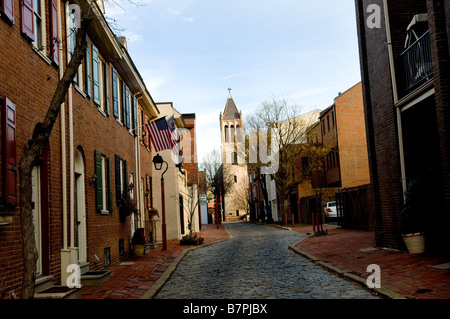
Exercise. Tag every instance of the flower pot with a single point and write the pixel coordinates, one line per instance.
(415, 243)
(138, 250)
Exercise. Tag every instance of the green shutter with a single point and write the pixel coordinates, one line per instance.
(110, 199)
(88, 68)
(98, 183)
(117, 160)
(127, 107)
(124, 102)
(115, 94)
(106, 85)
(95, 74)
(135, 115)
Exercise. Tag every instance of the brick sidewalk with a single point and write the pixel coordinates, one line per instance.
(136, 277)
(408, 275)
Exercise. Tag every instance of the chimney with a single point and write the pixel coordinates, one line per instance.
(123, 41)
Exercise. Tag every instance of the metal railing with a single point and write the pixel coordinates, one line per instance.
(416, 62)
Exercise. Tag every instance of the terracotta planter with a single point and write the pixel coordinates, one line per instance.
(415, 243)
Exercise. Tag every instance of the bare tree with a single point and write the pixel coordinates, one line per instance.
(192, 204)
(36, 146)
(286, 128)
(217, 174)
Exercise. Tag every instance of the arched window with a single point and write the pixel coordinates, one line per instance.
(234, 159)
(227, 138)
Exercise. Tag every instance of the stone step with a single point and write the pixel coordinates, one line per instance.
(59, 292)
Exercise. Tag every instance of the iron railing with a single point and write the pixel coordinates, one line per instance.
(416, 62)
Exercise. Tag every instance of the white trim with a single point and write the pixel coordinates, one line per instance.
(418, 99)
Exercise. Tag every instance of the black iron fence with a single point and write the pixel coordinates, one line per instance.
(416, 63)
(355, 208)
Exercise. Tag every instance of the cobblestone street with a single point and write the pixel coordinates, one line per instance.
(255, 264)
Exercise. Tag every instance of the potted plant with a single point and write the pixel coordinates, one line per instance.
(138, 242)
(152, 212)
(127, 206)
(412, 218)
(191, 240)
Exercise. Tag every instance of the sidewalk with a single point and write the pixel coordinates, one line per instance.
(142, 276)
(349, 252)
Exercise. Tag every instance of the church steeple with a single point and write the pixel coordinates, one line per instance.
(231, 111)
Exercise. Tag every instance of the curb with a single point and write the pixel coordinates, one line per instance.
(158, 285)
(346, 275)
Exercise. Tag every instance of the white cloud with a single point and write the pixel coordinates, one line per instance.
(132, 37)
(188, 19)
(173, 11)
(153, 85)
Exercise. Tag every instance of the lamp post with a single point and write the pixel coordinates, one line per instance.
(213, 185)
(158, 162)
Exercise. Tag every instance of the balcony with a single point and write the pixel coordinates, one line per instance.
(416, 64)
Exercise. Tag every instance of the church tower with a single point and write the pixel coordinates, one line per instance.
(234, 167)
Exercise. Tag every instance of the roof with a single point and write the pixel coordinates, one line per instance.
(231, 111)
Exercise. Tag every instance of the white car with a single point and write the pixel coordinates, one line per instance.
(330, 210)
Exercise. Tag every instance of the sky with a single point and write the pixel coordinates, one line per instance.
(189, 52)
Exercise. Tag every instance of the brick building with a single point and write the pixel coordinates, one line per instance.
(341, 130)
(98, 150)
(405, 76)
(344, 134)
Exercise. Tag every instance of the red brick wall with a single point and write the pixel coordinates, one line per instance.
(29, 82)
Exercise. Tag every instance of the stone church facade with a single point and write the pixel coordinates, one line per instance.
(235, 174)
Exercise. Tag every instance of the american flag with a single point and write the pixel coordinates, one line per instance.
(161, 135)
(174, 134)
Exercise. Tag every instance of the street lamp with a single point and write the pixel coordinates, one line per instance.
(158, 162)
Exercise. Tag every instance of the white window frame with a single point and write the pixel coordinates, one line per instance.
(101, 82)
(80, 79)
(40, 29)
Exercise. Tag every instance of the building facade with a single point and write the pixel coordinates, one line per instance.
(234, 168)
(98, 157)
(405, 77)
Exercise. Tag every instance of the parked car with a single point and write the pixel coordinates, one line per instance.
(244, 217)
(330, 210)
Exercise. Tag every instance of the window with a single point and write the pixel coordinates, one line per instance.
(227, 138)
(131, 189)
(103, 191)
(235, 178)
(39, 24)
(72, 36)
(121, 178)
(107, 256)
(328, 122)
(100, 81)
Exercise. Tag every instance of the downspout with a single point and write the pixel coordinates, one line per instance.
(63, 132)
(138, 174)
(395, 95)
